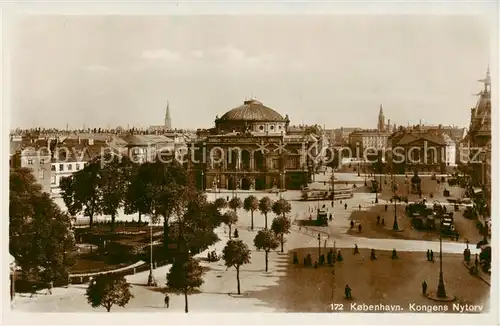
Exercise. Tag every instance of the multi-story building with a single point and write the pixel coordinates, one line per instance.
(145, 148)
(250, 148)
(367, 144)
(417, 150)
(34, 154)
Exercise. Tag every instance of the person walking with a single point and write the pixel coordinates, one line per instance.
(348, 292)
(345, 206)
(424, 288)
(49, 288)
(167, 301)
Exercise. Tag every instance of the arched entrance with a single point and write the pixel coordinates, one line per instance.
(245, 160)
(260, 163)
(245, 184)
(260, 183)
(231, 183)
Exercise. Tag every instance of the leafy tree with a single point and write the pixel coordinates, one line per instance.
(40, 234)
(251, 204)
(135, 200)
(220, 203)
(184, 276)
(166, 190)
(81, 192)
(193, 231)
(235, 203)
(236, 253)
(107, 290)
(266, 240)
(281, 225)
(265, 206)
(229, 218)
(113, 185)
(282, 207)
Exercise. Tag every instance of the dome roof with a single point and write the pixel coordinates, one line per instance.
(252, 110)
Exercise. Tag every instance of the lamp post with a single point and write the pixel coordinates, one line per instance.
(395, 226)
(441, 291)
(151, 281)
(359, 167)
(319, 246)
(364, 171)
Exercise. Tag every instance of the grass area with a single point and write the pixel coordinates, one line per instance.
(383, 281)
(89, 264)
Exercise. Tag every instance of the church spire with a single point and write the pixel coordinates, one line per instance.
(168, 120)
(381, 120)
(487, 80)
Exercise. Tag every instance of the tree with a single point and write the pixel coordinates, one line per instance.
(135, 200)
(113, 185)
(40, 234)
(81, 192)
(107, 290)
(251, 203)
(281, 225)
(265, 206)
(229, 218)
(236, 254)
(282, 207)
(193, 230)
(184, 276)
(235, 203)
(220, 203)
(266, 240)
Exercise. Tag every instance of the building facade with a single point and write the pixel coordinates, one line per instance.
(250, 149)
(367, 143)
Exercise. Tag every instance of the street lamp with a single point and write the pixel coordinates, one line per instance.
(319, 246)
(441, 291)
(395, 226)
(151, 280)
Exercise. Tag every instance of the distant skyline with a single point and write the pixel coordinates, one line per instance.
(102, 71)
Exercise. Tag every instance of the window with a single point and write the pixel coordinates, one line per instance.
(41, 174)
(42, 161)
(53, 167)
(53, 180)
(61, 167)
(77, 166)
(30, 162)
(261, 127)
(70, 167)
(271, 127)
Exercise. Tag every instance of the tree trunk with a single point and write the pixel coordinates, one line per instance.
(238, 278)
(140, 218)
(91, 220)
(267, 252)
(282, 239)
(251, 227)
(265, 215)
(229, 225)
(113, 217)
(108, 308)
(186, 301)
(165, 235)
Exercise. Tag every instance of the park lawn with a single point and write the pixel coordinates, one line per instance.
(384, 281)
(93, 264)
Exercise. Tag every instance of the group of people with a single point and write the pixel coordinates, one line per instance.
(430, 255)
(360, 228)
(379, 221)
(212, 256)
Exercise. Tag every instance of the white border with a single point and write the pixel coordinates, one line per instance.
(490, 9)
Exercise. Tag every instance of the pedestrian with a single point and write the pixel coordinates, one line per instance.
(227, 198)
(378, 219)
(236, 234)
(332, 203)
(394, 254)
(331, 216)
(341, 201)
(383, 222)
(359, 228)
(352, 224)
(385, 207)
(428, 255)
(167, 301)
(49, 288)
(373, 256)
(356, 249)
(348, 292)
(424, 288)
(345, 206)
(359, 206)
(432, 256)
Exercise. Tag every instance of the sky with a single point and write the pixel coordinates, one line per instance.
(109, 71)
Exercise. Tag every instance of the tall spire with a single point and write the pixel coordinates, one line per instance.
(168, 120)
(381, 120)
(487, 80)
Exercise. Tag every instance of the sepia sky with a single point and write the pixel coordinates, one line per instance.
(333, 70)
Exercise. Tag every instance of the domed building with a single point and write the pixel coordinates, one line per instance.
(250, 149)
